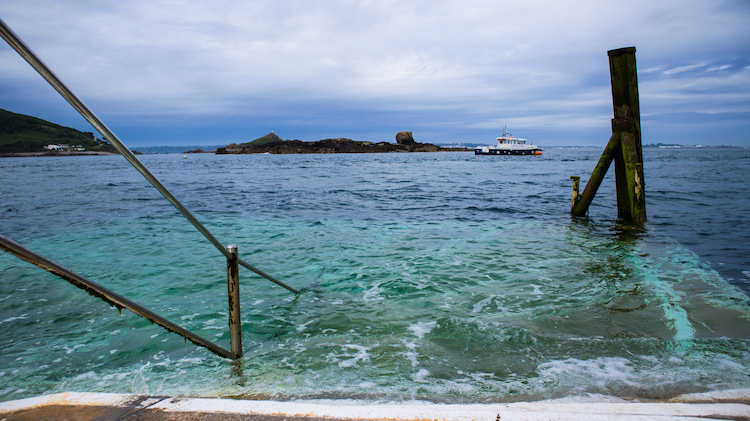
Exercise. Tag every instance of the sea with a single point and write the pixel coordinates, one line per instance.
(435, 277)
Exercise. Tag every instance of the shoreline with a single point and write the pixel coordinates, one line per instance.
(84, 153)
(35, 154)
(728, 404)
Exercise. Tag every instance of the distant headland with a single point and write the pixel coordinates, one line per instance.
(23, 135)
(273, 144)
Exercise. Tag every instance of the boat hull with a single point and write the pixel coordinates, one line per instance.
(506, 152)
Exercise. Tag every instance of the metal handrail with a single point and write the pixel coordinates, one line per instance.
(110, 297)
(14, 41)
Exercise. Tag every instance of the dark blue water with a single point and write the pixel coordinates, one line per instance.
(439, 276)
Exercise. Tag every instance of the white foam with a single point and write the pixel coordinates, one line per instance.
(71, 350)
(87, 375)
(138, 385)
(361, 355)
(537, 289)
(500, 306)
(602, 370)
(12, 319)
(409, 345)
(480, 305)
(410, 355)
(191, 360)
(209, 324)
(419, 376)
(422, 328)
(730, 365)
(372, 294)
(301, 328)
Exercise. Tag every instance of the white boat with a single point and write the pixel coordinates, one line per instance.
(507, 144)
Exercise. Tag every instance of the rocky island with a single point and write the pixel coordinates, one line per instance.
(271, 143)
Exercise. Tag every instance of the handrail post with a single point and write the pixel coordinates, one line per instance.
(233, 286)
(108, 296)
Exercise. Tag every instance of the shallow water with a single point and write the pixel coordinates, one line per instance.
(446, 277)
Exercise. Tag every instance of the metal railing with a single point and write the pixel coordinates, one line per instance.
(232, 257)
(109, 296)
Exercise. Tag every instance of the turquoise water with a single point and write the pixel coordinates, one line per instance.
(443, 277)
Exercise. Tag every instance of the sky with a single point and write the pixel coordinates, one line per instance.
(217, 72)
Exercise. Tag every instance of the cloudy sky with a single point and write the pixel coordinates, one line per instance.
(214, 72)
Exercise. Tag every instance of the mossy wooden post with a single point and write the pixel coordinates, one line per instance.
(624, 147)
(233, 286)
(576, 185)
(631, 203)
(581, 206)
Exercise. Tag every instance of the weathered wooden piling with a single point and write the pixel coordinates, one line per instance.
(233, 286)
(624, 147)
(581, 206)
(576, 186)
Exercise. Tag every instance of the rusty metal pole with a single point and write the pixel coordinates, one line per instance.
(233, 286)
(24, 51)
(107, 295)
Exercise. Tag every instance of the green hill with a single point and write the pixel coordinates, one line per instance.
(271, 137)
(23, 133)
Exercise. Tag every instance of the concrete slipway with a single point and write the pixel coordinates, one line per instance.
(726, 405)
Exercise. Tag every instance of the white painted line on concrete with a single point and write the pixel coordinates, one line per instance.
(531, 411)
(68, 399)
(734, 395)
(334, 410)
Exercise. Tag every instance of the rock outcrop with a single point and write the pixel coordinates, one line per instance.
(405, 143)
(404, 138)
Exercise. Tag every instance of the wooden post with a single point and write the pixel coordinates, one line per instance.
(576, 185)
(624, 147)
(233, 285)
(621, 179)
(581, 207)
(631, 203)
